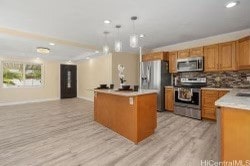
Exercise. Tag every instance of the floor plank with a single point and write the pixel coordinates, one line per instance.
(63, 133)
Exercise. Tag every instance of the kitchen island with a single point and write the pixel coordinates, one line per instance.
(233, 124)
(130, 114)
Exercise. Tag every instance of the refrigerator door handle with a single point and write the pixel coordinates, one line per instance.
(148, 74)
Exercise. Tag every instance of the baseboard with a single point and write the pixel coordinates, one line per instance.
(85, 98)
(28, 101)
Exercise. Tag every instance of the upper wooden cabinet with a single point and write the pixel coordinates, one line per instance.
(169, 99)
(211, 57)
(183, 54)
(172, 61)
(193, 52)
(243, 51)
(220, 57)
(227, 56)
(196, 52)
(155, 56)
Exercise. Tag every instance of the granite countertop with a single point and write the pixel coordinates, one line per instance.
(233, 101)
(126, 93)
(212, 88)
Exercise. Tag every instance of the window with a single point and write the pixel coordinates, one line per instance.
(21, 74)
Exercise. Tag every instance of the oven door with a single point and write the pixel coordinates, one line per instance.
(188, 97)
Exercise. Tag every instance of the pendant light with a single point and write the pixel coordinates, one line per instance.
(118, 43)
(106, 47)
(134, 37)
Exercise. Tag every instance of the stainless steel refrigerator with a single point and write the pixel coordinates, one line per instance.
(155, 75)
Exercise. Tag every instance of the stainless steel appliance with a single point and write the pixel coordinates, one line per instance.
(189, 64)
(188, 97)
(155, 75)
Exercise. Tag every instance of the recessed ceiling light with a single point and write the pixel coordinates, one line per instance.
(107, 21)
(42, 50)
(52, 44)
(232, 4)
(96, 51)
(141, 35)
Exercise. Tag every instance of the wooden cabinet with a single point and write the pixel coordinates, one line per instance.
(243, 51)
(194, 52)
(155, 56)
(234, 134)
(183, 54)
(220, 57)
(211, 58)
(169, 99)
(172, 61)
(132, 117)
(227, 56)
(208, 102)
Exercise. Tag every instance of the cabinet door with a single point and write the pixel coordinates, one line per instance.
(208, 103)
(155, 56)
(211, 60)
(194, 52)
(183, 54)
(169, 99)
(172, 62)
(227, 58)
(244, 53)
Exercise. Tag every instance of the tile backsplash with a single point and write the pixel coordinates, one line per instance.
(227, 79)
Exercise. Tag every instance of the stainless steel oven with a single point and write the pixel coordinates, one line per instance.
(188, 97)
(189, 64)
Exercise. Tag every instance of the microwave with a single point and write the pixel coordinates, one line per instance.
(189, 64)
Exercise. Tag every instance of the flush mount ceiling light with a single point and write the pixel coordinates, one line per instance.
(107, 21)
(43, 50)
(118, 43)
(134, 37)
(232, 4)
(106, 47)
(52, 44)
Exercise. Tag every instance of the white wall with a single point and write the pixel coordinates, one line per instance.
(205, 41)
(131, 64)
(91, 73)
(49, 91)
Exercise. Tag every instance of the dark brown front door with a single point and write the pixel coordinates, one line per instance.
(68, 81)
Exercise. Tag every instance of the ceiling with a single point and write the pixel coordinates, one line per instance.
(164, 22)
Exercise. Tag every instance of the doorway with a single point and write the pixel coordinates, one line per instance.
(68, 81)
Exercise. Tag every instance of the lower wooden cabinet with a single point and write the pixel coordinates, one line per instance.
(208, 102)
(169, 99)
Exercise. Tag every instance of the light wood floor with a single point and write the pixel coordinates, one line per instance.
(64, 133)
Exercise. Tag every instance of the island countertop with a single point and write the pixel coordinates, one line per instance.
(126, 93)
(232, 101)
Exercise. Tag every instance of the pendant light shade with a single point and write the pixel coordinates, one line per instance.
(133, 41)
(118, 46)
(106, 47)
(118, 43)
(134, 37)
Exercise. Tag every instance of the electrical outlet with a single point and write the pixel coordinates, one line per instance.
(248, 78)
